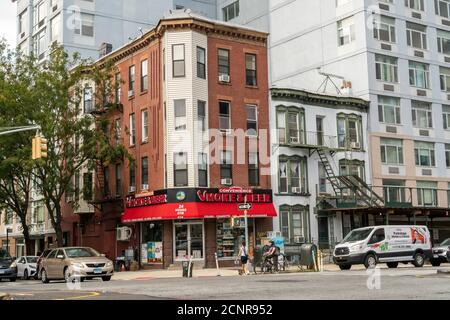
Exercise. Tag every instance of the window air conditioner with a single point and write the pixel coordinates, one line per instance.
(299, 239)
(227, 182)
(144, 187)
(294, 140)
(296, 190)
(356, 145)
(130, 93)
(132, 189)
(224, 78)
(123, 234)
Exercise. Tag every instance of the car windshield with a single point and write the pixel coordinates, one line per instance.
(357, 235)
(32, 259)
(4, 255)
(446, 242)
(81, 253)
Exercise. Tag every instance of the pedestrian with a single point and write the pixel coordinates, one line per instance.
(243, 254)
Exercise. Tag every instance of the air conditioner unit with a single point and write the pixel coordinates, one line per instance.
(356, 145)
(227, 182)
(130, 93)
(144, 187)
(299, 239)
(132, 189)
(296, 190)
(123, 234)
(294, 140)
(224, 78)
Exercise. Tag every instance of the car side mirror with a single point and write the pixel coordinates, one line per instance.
(103, 255)
(60, 257)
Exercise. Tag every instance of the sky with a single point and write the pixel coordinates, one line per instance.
(8, 21)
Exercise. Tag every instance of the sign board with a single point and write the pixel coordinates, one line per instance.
(245, 206)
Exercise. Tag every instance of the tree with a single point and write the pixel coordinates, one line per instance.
(16, 105)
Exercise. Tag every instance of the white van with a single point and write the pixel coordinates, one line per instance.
(384, 244)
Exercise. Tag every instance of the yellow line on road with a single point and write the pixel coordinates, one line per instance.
(89, 295)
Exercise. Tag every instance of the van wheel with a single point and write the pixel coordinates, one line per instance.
(370, 261)
(435, 263)
(392, 265)
(44, 277)
(419, 260)
(345, 266)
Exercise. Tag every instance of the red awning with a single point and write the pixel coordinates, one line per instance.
(195, 210)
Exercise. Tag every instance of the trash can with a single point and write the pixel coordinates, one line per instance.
(308, 254)
(187, 269)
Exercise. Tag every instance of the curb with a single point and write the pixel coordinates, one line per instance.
(4, 296)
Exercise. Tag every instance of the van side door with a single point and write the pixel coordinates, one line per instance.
(377, 243)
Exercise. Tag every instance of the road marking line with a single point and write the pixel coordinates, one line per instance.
(90, 295)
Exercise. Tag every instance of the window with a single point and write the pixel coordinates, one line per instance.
(144, 75)
(105, 181)
(144, 173)
(447, 155)
(88, 187)
(292, 175)
(118, 88)
(391, 151)
(224, 62)
(226, 165)
(84, 25)
(443, 42)
(180, 115)
(424, 154)
(349, 131)
(144, 125)
(37, 213)
(180, 169)
(415, 4)
(253, 169)
(202, 170)
(178, 60)
(40, 13)
(132, 174)
(55, 28)
(446, 116)
(427, 194)
(118, 174)
(419, 75)
(87, 100)
(442, 8)
(422, 115)
(352, 168)
(346, 31)
(394, 191)
(290, 125)
(378, 236)
(250, 69)
(117, 131)
(386, 68)
(323, 180)
(293, 222)
(445, 78)
(416, 35)
(252, 120)
(389, 110)
(132, 130)
(23, 22)
(231, 11)
(131, 79)
(384, 29)
(224, 116)
(201, 63)
(40, 44)
(201, 115)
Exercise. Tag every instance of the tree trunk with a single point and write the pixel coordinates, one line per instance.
(26, 237)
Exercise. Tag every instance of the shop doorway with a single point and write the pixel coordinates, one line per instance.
(189, 242)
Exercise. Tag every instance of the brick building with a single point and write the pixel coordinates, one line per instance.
(195, 118)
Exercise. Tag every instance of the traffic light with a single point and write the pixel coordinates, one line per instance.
(39, 148)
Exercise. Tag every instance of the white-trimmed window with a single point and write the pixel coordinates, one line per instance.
(391, 151)
(224, 116)
(424, 154)
(144, 125)
(231, 11)
(443, 41)
(447, 155)
(422, 115)
(446, 116)
(419, 75)
(180, 115)
(201, 115)
(445, 78)
(442, 8)
(144, 75)
(180, 169)
(178, 62)
(84, 24)
(346, 31)
(389, 110)
(416, 35)
(56, 28)
(252, 120)
(427, 193)
(132, 130)
(384, 29)
(386, 68)
(415, 4)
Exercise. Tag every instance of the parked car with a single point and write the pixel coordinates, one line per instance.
(39, 262)
(384, 244)
(441, 253)
(75, 263)
(26, 267)
(8, 267)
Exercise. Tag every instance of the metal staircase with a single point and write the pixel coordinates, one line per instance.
(330, 172)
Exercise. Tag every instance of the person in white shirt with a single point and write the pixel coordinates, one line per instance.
(243, 254)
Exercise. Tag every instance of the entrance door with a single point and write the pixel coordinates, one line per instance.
(188, 241)
(323, 233)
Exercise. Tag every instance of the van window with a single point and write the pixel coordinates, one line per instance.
(357, 235)
(377, 236)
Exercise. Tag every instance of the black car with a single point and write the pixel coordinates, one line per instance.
(8, 268)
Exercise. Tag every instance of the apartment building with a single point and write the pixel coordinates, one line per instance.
(193, 114)
(396, 55)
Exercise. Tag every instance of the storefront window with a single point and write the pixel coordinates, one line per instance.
(151, 246)
(230, 235)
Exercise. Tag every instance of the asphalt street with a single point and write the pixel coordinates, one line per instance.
(403, 283)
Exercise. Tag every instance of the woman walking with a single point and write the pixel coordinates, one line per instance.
(244, 259)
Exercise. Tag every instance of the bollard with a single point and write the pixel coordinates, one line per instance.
(217, 264)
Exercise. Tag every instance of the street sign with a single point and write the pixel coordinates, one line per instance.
(244, 206)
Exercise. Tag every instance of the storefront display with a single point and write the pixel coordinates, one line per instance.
(151, 243)
(230, 234)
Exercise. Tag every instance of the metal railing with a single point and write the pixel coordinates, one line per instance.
(307, 138)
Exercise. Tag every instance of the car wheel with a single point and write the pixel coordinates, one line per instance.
(106, 278)
(67, 276)
(392, 265)
(25, 275)
(435, 263)
(13, 279)
(370, 261)
(44, 277)
(345, 266)
(419, 260)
